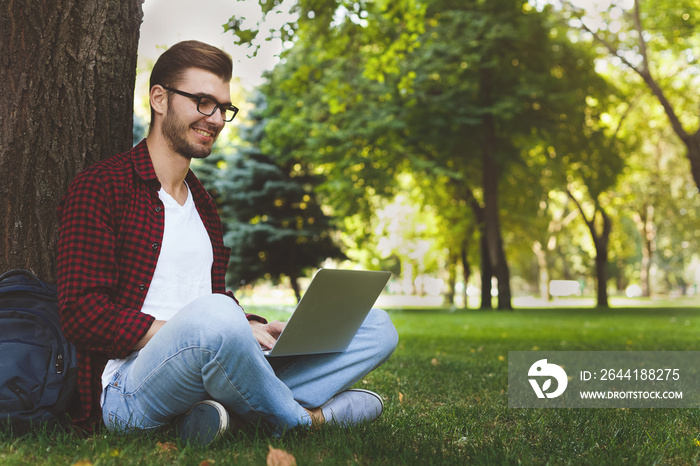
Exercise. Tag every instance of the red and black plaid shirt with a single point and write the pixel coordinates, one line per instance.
(111, 229)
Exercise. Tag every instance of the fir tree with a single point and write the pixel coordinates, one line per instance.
(272, 220)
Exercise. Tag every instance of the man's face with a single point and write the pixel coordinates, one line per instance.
(188, 132)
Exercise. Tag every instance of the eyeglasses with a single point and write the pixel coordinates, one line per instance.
(207, 106)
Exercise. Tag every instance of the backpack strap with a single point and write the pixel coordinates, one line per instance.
(27, 274)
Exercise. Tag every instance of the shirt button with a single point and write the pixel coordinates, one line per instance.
(159, 208)
(155, 246)
(142, 287)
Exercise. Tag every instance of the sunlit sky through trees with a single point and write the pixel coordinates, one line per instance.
(166, 22)
(404, 223)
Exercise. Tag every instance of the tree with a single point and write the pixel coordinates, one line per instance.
(658, 205)
(581, 143)
(461, 94)
(271, 217)
(452, 90)
(67, 70)
(477, 104)
(662, 202)
(643, 39)
(593, 163)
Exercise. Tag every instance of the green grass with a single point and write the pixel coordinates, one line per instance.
(446, 402)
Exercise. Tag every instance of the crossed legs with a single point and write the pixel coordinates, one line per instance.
(207, 351)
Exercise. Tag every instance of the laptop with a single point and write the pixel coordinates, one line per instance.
(330, 312)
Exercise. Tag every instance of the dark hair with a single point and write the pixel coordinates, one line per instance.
(172, 64)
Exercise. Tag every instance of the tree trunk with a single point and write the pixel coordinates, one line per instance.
(486, 274)
(492, 225)
(543, 266)
(68, 71)
(294, 280)
(601, 239)
(691, 140)
(692, 143)
(645, 225)
(487, 269)
(452, 261)
(601, 267)
(490, 178)
(466, 272)
(503, 277)
(601, 259)
(645, 273)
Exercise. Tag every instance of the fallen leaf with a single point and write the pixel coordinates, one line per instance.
(277, 457)
(167, 446)
(435, 362)
(83, 463)
(400, 397)
(207, 463)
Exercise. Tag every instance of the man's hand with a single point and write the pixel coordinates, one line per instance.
(267, 334)
(155, 326)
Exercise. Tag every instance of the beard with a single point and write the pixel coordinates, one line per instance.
(175, 133)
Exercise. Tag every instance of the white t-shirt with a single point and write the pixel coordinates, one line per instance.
(183, 271)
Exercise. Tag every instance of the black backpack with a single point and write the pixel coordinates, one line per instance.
(38, 366)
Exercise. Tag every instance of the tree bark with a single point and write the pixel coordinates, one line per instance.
(486, 267)
(543, 267)
(486, 273)
(466, 272)
(503, 277)
(645, 224)
(692, 143)
(294, 281)
(601, 240)
(601, 263)
(490, 178)
(492, 226)
(68, 71)
(452, 261)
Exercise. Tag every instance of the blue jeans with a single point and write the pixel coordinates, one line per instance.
(207, 351)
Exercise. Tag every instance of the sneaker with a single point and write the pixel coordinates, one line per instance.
(204, 423)
(352, 407)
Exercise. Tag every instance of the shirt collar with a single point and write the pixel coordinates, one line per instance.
(143, 163)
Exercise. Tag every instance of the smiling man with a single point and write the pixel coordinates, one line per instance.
(141, 267)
